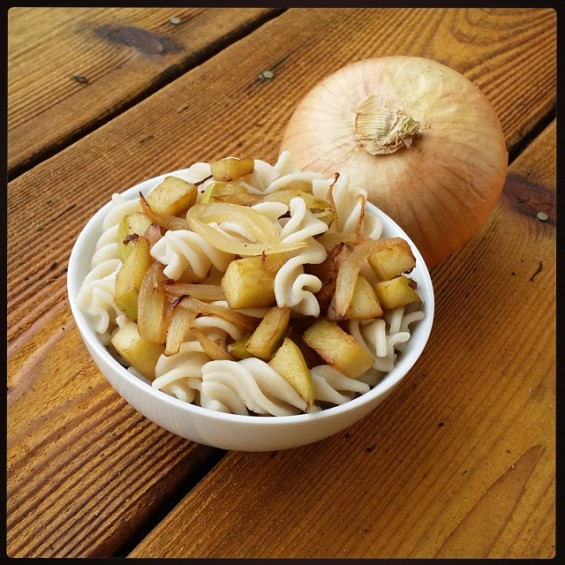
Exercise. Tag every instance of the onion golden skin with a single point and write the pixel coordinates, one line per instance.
(443, 187)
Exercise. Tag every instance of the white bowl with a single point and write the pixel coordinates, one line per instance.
(230, 431)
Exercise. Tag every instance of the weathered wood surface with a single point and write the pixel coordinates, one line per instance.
(70, 69)
(87, 474)
(458, 462)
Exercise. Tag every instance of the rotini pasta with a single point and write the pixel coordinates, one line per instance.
(173, 373)
(385, 337)
(334, 387)
(199, 371)
(187, 254)
(96, 296)
(294, 287)
(248, 385)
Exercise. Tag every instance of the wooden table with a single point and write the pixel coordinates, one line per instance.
(458, 461)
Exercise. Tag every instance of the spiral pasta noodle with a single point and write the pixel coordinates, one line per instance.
(334, 387)
(249, 385)
(179, 374)
(383, 338)
(184, 252)
(173, 373)
(96, 295)
(349, 204)
(294, 287)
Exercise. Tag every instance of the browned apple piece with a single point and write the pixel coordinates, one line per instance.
(173, 196)
(289, 362)
(364, 304)
(137, 351)
(231, 169)
(311, 357)
(132, 224)
(247, 285)
(338, 349)
(396, 292)
(274, 261)
(393, 259)
(269, 334)
(130, 276)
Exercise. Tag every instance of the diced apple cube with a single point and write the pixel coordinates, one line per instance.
(393, 259)
(132, 224)
(269, 334)
(247, 285)
(231, 169)
(173, 196)
(364, 304)
(396, 292)
(290, 364)
(338, 349)
(130, 276)
(136, 350)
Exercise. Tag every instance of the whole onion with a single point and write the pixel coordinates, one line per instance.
(419, 137)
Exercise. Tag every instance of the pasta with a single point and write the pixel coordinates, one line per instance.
(173, 374)
(349, 205)
(188, 255)
(200, 369)
(384, 338)
(293, 287)
(248, 385)
(332, 386)
(96, 295)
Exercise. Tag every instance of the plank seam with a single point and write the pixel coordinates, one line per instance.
(531, 135)
(209, 460)
(168, 76)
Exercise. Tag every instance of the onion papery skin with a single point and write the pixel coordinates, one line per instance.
(443, 187)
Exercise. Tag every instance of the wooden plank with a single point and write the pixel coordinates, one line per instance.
(152, 137)
(197, 117)
(86, 472)
(458, 462)
(70, 69)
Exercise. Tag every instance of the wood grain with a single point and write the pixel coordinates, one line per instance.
(458, 462)
(70, 69)
(152, 138)
(73, 443)
(85, 471)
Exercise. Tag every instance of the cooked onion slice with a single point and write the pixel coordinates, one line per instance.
(153, 234)
(330, 239)
(347, 276)
(152, 306)
(267, 238)
(260, 227)
(202, 291)
(246, 323)
(214, 350)
(179, 330)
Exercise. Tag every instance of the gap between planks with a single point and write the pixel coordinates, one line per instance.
(159, 82)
